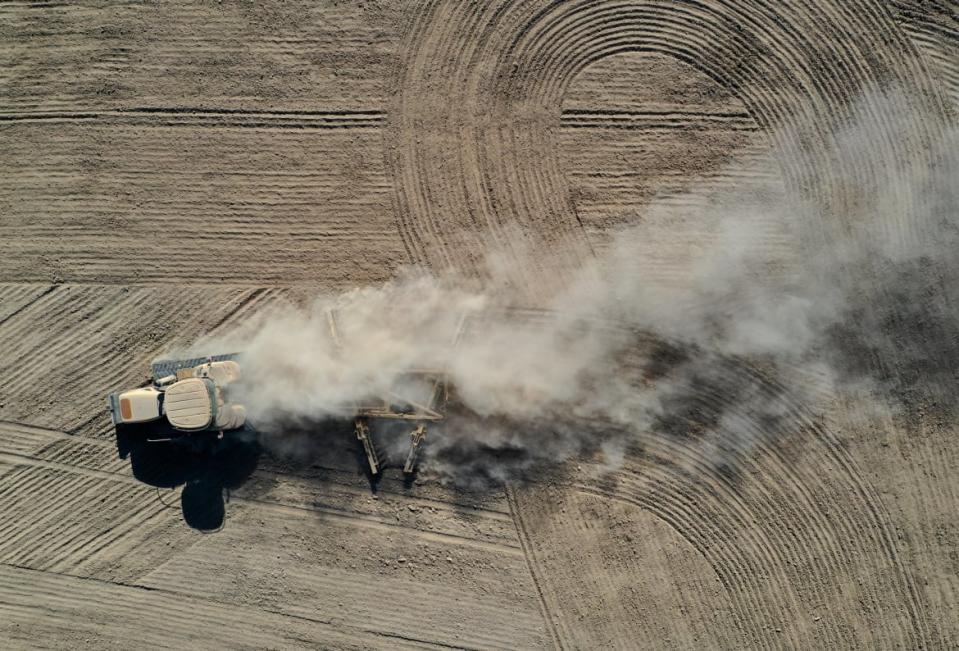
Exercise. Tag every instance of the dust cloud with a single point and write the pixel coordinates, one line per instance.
(858, 290)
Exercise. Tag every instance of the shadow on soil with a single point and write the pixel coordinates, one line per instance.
(207, 468)
(320, 450)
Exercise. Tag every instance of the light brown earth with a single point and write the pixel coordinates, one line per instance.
(325, 145)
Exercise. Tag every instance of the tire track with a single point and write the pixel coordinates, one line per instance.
(934, 27)
(547, 605)
(24, 439)
(210, 118)
(14, 299)
(51, 603)
(653, 120)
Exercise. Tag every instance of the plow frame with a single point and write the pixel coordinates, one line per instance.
(418, 413)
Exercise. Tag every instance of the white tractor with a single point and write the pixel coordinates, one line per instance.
(194, 398)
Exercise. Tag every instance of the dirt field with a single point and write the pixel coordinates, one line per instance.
(169, 169)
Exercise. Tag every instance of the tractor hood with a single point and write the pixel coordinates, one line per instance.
(135, 406)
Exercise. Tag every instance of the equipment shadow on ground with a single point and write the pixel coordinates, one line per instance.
(207, 467)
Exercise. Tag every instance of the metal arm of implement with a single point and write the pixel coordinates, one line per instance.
(363, 434)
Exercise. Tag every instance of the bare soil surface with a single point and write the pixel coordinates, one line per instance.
(169, 169)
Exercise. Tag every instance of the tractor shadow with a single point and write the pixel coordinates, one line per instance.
(208, 468)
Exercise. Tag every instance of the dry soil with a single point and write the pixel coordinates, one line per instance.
(170, 168)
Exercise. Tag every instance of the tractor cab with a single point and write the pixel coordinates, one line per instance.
(193, 399)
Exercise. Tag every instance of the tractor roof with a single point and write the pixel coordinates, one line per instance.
(190, 404)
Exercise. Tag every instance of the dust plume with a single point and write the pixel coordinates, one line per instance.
(850, 279)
